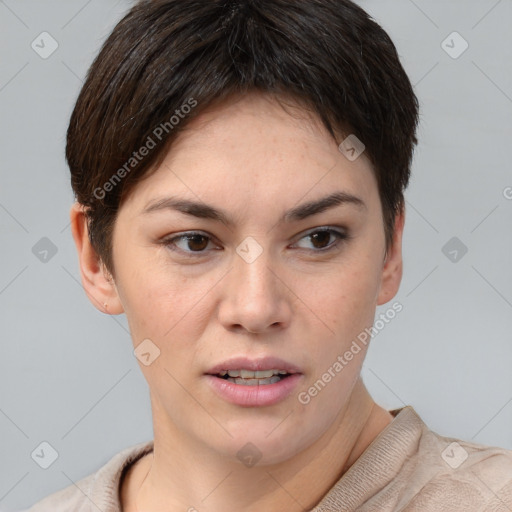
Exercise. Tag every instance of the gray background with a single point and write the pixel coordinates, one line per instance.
(67, 372)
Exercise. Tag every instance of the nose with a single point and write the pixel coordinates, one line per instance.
(256, 298)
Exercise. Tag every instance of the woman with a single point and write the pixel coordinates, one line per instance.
(239, 170)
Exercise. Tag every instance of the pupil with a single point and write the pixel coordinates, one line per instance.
(321, 234)
(193, 240)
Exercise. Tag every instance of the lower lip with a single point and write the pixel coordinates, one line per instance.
(254, 396)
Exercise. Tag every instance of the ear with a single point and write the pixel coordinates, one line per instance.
(392, 269)
(98, 283)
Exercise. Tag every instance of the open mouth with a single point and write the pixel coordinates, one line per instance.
(253, 378)
(267, 382)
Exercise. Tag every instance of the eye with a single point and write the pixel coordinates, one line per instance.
(320, 238)
(195, 243)
(192, 242)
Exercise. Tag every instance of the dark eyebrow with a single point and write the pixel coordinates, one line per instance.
(301, 212)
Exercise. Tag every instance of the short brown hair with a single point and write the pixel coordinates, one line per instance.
(329, 55)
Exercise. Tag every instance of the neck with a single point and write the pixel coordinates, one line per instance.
(178, 477)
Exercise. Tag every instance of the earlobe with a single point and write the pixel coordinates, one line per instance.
(393, 265)
(97, 282)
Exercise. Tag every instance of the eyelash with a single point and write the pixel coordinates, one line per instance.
(170, 242)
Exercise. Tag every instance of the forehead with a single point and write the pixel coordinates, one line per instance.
(251, 149)
(255, 118)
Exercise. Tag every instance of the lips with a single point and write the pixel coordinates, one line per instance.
(256, 389)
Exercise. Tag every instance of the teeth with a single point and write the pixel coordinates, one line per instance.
(265, 374)
(256, 382)
(248, 374)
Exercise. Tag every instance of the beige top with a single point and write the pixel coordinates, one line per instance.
(406, 468)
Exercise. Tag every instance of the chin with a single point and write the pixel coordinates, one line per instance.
(266, 442)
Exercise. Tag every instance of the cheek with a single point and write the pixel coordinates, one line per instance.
(163, 305)
(344, 298)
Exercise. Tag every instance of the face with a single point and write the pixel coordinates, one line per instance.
(250, 278)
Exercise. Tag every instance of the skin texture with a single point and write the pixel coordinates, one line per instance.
(254, 160)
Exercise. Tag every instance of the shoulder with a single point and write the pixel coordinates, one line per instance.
(98, 490)
(460, 475)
